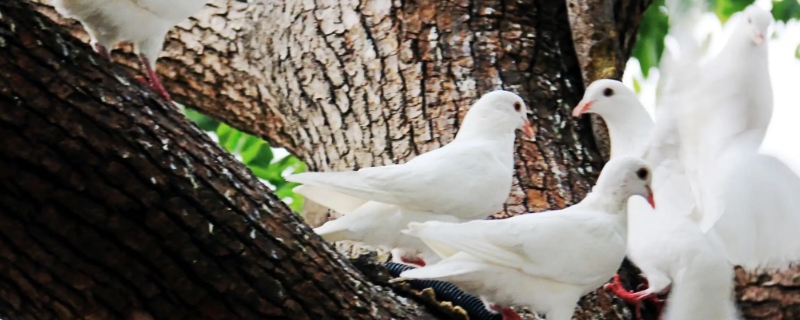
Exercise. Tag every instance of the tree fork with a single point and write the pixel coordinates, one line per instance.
(114, 206)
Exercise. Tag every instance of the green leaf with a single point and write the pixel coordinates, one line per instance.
(785, 10)
(256, 152)
(285, 192)
(202, 121)
(650, 38)
(228, 137)
(726, 8)
(797, 52)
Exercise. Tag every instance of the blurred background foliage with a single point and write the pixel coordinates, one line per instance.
(655, 25)
(257, 155)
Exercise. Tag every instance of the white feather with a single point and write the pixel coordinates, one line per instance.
(145, 23)
(470, 178)
(546, 260)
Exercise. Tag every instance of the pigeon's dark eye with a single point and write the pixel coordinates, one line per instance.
(517, 106)
(749, 20)
(642, 173)
(608, 92)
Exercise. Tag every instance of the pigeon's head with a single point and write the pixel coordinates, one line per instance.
(627, 176)
(756, 21)
(605, 97)
(506, 106)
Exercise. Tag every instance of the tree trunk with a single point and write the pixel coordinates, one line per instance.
(113, 206)
(348, 84)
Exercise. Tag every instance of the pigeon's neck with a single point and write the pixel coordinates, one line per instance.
(629, 131)
(486, 126)
(614, 202)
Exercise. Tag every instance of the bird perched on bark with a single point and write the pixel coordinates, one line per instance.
(545, 260)
(467, 179)
(144, 23)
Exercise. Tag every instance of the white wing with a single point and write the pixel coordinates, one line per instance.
(378, 224)
(761, 212)
(454, 179)
(339, 202)
(537, 243)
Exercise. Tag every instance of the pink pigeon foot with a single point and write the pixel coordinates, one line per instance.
(155, 80)
(507, 313)
(102, 51)
(634, 298)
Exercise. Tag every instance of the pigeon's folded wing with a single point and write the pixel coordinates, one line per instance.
(392, 184)
(336, 201)
(532, 243)
(762, 213)
(442, 176)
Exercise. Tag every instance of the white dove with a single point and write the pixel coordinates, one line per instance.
(745, 198)
(469, 178)
(703, 286)
(145, 23)
(652, 244)
(546, 260)
(716, 105)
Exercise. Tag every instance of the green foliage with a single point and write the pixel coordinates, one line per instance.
(655, 25)
(201, 120)
(785, 10)
(257, 155)
(650, 39)
(797, 52)
(726, 8)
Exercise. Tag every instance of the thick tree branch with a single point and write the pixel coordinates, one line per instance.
(114, 206)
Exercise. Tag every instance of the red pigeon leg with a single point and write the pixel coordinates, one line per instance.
(507, 313)
(155, 80)
(634, 298)
(102, 51)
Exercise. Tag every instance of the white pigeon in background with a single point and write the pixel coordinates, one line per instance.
(145, 23)
(545, 260)
(650, 231)
(719, 102)
(745, 198)
(703, 281)
(467, 179)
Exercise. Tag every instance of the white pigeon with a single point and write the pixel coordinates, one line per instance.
(545, 260)
(145, 23)
(718, 104)
(469, 178)
(703, 284)
(744, 198)
(651, 231)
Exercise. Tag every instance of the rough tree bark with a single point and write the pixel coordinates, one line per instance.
(346, 84)
(113, 206)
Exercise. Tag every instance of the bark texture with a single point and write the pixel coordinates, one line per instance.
(114, 206)
(346, 84)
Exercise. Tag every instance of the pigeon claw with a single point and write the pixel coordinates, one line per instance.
(506, 312)
(634, 298)
(155, 81)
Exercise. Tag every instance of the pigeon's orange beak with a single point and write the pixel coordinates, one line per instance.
(650, 199)
(582, 107)
(527, 129)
